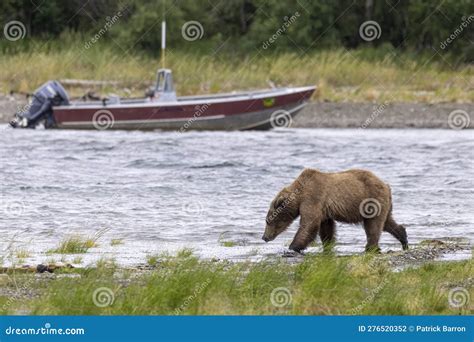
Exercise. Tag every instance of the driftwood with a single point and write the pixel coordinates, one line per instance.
(41, 268)
(87, 83)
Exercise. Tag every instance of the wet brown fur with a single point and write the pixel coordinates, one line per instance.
(321, 199)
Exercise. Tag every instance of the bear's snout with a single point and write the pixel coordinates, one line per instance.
(269, 235)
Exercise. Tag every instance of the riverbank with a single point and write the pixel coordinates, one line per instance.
(346, 114)
(321, 284)
(386, 115)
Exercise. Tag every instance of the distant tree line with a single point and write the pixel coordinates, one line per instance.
(270, 25)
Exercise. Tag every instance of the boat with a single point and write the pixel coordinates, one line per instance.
(161, 109)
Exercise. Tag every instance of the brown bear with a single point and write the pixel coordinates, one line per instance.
(321, 198)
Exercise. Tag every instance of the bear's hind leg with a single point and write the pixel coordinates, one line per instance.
(327, 233)
(373, 230)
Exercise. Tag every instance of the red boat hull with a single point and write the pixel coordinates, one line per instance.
(233, 112)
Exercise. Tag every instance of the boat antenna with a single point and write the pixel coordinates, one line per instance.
(163, 37)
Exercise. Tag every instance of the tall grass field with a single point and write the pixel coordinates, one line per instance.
(341, 75)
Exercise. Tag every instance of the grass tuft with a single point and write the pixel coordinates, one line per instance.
(74, 245)
(116, 242)
(22, 254)
(152, 260)
(228, 244)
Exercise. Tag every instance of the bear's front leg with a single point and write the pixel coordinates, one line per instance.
(309, 228)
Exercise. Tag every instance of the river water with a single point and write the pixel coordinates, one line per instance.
(209, 191)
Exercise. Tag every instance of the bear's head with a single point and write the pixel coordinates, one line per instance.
(284, 209)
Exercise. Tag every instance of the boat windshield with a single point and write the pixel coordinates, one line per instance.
(164, 90)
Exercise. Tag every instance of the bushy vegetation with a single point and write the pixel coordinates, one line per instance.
(242, 26)
(320, 285)
(246, 44)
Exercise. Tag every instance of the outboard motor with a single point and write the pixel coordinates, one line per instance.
(40, 107)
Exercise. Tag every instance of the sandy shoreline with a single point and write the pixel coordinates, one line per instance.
(343, 114)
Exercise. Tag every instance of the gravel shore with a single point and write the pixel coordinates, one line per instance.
(346, 114)
(393, 115)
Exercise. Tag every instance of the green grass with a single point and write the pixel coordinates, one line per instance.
(22, 254)
(355, 75)
(116, 242)
(152, 260)
(74, 245)
(320, 285)
(77, 260)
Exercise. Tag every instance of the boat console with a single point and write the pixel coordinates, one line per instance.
(164, 88)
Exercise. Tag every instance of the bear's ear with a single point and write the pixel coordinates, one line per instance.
(279, 202)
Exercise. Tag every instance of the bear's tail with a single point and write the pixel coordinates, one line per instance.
(397, 230)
